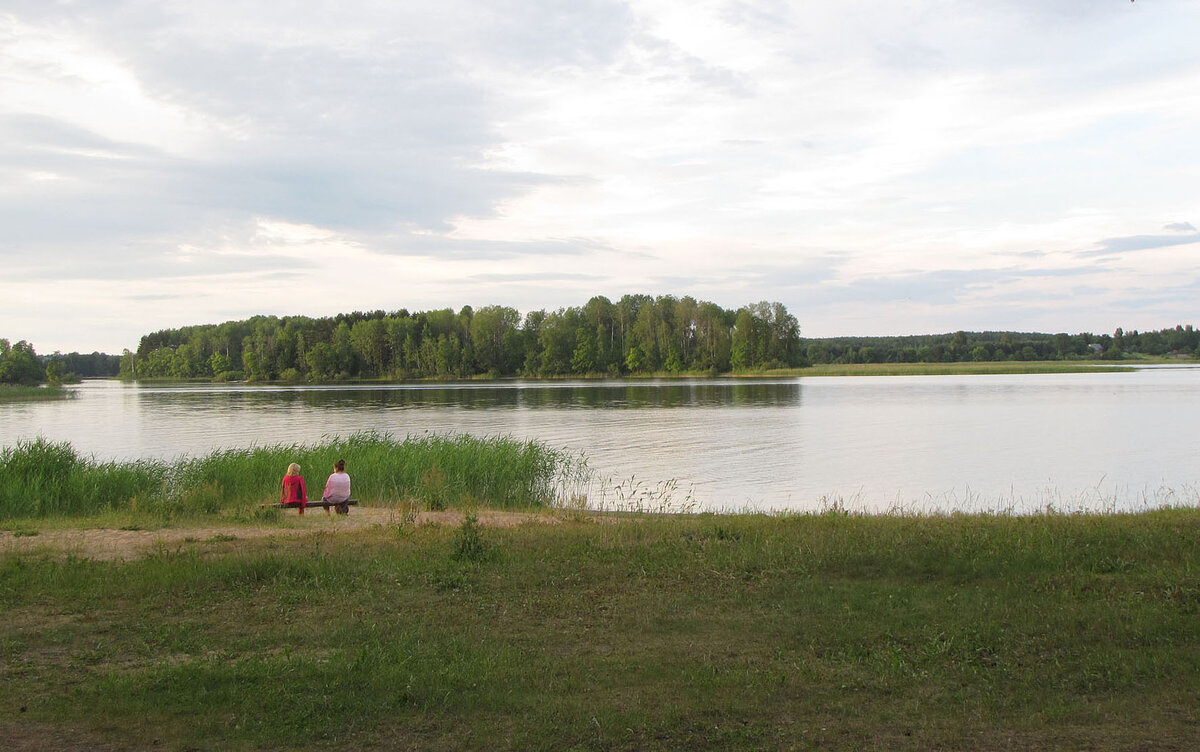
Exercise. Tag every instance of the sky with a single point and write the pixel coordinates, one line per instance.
(901, 167)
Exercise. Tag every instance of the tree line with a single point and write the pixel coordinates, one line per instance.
(638, 334)
(983, 346)
(21, 365)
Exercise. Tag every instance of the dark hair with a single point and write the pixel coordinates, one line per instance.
(340, 466)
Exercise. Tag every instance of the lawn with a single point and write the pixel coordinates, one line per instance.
(823, 631)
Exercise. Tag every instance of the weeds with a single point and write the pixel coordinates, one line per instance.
(403, 519)
(469, 543)
(663, 497)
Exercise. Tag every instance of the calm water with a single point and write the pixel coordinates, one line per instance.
(1095, 441)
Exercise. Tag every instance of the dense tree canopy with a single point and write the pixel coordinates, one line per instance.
(19, 364)
(978, 346)
(637, 334)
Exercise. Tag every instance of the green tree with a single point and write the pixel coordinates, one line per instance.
(369, 340)
(742, 353)
(19, 364)
(54, 373)
(492, 334)
(219, 363)
(129, 365)
(635, 360)
(583, 359)
(556, 342)
(322, 362)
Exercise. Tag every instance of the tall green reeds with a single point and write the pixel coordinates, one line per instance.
(40, 478)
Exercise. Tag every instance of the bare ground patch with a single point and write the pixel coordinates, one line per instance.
(108, 544)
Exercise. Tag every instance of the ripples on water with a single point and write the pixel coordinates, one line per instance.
(908, 443)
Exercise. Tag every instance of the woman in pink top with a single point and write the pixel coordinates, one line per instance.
(337, 488)
(293, 493)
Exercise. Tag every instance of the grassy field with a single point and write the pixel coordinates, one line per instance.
(824, 631)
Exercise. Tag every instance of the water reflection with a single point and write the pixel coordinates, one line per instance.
(513, 395)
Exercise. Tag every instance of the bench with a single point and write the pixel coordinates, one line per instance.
(342, 507)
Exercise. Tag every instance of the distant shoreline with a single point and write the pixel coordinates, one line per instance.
(963, 368)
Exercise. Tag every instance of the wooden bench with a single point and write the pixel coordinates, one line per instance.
(342, 507)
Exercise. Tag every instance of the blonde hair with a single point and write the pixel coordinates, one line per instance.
(293, 469)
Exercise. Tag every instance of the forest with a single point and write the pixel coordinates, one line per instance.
(638, 334)
(984, 346)
(21, 365)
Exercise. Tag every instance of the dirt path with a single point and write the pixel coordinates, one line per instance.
(107, 544)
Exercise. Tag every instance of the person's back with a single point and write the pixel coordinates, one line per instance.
(292, 490)
(337, 488)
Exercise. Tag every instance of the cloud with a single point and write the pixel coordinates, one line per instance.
(938, 287)
(536, 277)
(1134, 243)
(859, 161)
(448, 246)
(363, 125)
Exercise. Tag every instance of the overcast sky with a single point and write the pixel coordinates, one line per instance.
(880, 167)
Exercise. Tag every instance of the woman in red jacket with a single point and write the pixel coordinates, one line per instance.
(294, 494)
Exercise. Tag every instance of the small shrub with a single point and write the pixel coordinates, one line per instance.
(469, 543)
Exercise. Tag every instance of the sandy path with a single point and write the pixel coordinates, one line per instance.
(107, 544)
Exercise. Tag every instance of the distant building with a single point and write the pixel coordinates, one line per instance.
(1096, 347)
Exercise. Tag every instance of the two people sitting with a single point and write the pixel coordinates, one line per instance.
(294, 494)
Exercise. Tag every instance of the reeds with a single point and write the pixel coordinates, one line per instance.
(11, 393)
(40, 478)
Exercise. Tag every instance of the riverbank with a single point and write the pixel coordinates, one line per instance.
(827, 369)
(824, 631)
(983, 368)
(10, 393)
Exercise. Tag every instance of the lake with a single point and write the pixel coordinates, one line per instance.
(1088, 441)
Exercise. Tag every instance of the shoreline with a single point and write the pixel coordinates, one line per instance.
(1015, 367)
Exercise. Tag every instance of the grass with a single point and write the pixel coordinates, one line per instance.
(823, 631)
(43, 479)
(12, 393)
(940, 369)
